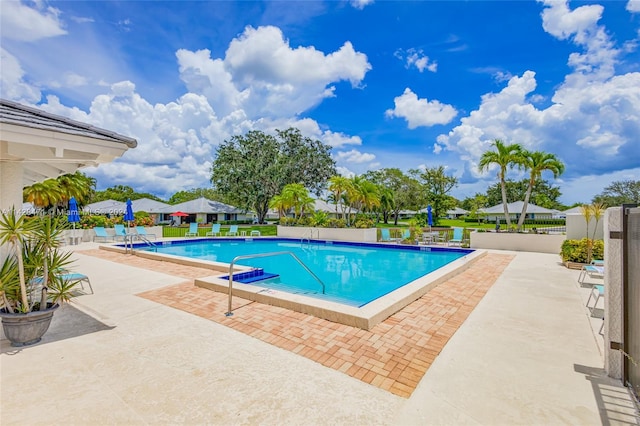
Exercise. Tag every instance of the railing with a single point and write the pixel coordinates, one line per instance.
(251, 256)
(310, 237)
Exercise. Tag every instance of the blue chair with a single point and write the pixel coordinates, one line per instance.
(385, 236)
(233, 230)
(457, 238)
(68, 278)
(193, 230)
(143, 233)
(101, 233)
(121, 231)
(215, 230)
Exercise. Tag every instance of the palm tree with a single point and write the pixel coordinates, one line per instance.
(43, 194)
(537, 162)
(339, 187)
(505, 156)
(366, 196)
(297, 196)
(279, 203)
(76, 185)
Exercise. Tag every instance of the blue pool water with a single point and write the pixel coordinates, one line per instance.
(353, 273)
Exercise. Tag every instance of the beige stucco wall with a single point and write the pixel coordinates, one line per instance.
(334, 234)
(538, 243)
(577, 227)
(612, 292)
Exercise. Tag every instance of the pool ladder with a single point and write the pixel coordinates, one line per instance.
(251, 256)
(309, 237)
(128, 239)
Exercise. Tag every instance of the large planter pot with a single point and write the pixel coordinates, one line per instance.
(26, 329)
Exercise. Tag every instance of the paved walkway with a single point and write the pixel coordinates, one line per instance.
(527, 354)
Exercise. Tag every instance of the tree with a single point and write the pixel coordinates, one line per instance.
(340, 186)
(43, 194)
(619, 192)
(505, 157)
(77, 185)
(250, 169)
(296, 196)
(537, 162)
(194, 194)
(57, 192)
(543, 194)
(121, 193)
(436, 186)
(397, 192)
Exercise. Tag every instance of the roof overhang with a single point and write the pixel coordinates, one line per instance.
(46, 153)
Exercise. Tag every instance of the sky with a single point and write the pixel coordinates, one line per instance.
(402, 84)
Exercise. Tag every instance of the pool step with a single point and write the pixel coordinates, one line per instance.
(251, 276)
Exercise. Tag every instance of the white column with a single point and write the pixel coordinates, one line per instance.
(10, 185)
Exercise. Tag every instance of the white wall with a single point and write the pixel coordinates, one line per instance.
(368, 235)
(538, 243)
(577, 227)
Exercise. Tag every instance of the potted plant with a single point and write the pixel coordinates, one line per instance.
(31, 286)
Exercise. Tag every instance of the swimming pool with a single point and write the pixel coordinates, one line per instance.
(353, 274)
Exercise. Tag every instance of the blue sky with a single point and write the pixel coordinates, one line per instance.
(385, 83)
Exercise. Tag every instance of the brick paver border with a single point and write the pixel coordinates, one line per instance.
(393, 355)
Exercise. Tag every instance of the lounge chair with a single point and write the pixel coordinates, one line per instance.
(101, 233)
(143, 233)
(215, 230)
(596, 293)
(406, 234)
(68, 278)
(457, 238)
(233, 230)
(193, 230)
(385, 236)
(121, 231)
(591, 271)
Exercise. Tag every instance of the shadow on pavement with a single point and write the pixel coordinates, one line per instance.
(67, 322)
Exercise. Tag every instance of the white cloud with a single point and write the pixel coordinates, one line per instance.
(353, 156)
(593, 121)
(12, 83)
(633, 6)
(421, 112)
(416, 58)
(265, 77)
(21, 22)
(177, 140)
(360, 4)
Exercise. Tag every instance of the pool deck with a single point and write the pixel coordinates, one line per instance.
(507, 342)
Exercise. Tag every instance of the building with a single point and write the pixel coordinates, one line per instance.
(203, 210)
(515, 210)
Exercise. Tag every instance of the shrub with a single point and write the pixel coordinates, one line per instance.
(363, 222)
(577, 250)
(336, 223)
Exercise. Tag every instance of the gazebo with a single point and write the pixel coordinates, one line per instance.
(36, 145)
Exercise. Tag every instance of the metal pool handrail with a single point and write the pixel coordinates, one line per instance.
(275, 253)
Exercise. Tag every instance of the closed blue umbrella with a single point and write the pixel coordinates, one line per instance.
(128, 215)
(429, 216)
(73, 216)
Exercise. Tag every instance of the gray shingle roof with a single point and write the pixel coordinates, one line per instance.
(202, 205)
(22, 115)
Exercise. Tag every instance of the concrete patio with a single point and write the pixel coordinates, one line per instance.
(528, 353)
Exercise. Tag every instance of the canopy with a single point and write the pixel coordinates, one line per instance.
(181, 214)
